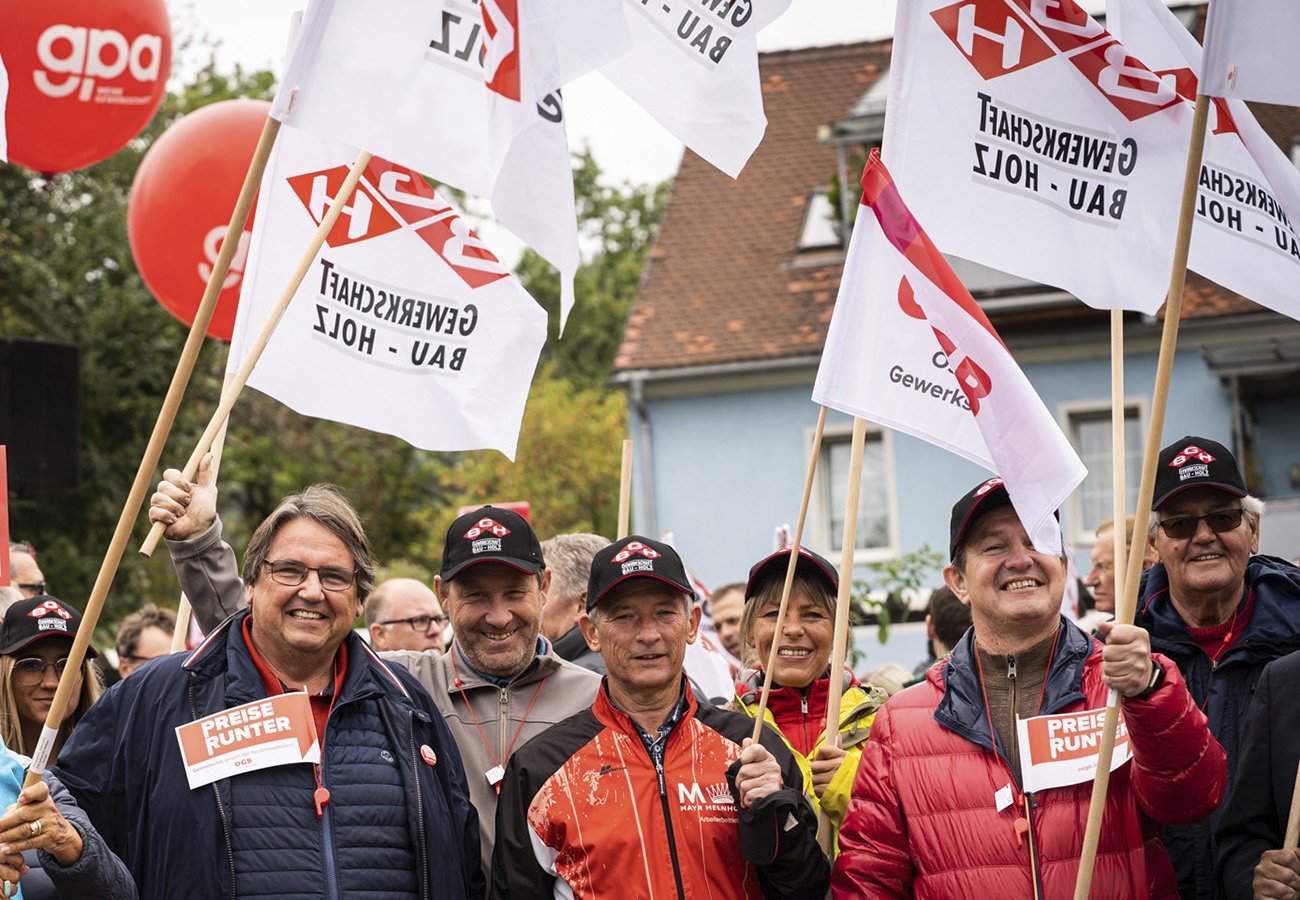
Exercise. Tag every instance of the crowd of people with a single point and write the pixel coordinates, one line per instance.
(525, 727)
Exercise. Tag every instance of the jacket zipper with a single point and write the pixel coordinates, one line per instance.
(423, 848)
(803, 707)
(327, 832)
(221, 809)
(668, 824)
(504, 720)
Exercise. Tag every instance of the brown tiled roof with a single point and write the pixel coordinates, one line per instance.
(725, 282)
(722, 284)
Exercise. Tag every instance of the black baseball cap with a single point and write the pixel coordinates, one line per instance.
(491, 534)
(778, 562)
(36, 618)
(984, 497)
(1192, 462)
(635, 557)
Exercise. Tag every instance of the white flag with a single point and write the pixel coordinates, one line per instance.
(405, 324)
(965, 392)
(467, 93)
(4, 98)
(1028, 139)
(695, 69)
(1249, 199)
(1251, 50)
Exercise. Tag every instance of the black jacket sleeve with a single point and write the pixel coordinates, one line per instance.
(1252, 822)
(798, 870)
(99, 872)
(516, 872)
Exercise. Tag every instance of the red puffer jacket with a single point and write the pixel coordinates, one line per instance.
(923, 822)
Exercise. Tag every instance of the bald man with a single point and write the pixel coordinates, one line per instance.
(404, 614)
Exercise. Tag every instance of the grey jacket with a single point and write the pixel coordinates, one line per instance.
(99, 872)
(553, 688)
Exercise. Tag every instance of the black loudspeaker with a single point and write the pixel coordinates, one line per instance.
(40, 412)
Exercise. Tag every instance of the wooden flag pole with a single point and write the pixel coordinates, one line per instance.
(236, 386)
(184, 612)
(625, 493)
(791, 566)
(835, 688)
(1292, 838)
(70, 683)
(1118, 479)
(1126, 600)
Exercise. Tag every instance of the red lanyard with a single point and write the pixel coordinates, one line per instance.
(497, 764)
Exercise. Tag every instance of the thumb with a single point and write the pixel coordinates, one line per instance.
(207, 474)
(1105, 627)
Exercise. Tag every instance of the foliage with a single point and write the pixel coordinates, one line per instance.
(855, 162)
(879, 598)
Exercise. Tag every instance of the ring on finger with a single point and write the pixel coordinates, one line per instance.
(35, 826)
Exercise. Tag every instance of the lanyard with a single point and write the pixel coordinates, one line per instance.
(495, 774)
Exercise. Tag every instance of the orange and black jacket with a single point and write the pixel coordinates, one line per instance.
(586, 812)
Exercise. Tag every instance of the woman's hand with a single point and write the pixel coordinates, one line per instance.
(34, 823)
(825, 763)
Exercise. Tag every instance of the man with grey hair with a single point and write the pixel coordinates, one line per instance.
(383, 810)
(24, 573)
(404, 614)
(569, 557)
(1215, 607)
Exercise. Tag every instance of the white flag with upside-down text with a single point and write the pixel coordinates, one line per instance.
(406, 323)
(1251, 50)
(964, 391)
(466, 92)
(1028, 139)
(1249, 195)
(694, 67)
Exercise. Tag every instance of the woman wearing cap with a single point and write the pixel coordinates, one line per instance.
(801, 677)
(34, 645)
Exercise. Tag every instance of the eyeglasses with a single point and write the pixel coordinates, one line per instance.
(1183, 527)
(418, 623)
(31, 670)
(292, 573)
(139, 660)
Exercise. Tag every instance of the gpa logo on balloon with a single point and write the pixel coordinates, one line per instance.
(500, 52)
(998, 37)
(391, 198)
(76, 60)
(1199, 469)
(212, 247)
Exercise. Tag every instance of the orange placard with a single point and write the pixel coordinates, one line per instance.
(276, 731)
(1062, 749)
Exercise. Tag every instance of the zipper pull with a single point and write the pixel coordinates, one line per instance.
(322, 797)
(1011, 668)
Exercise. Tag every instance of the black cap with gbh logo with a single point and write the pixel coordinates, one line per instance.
(36, 618)
(635, 557)
(1196, 462)
(984, 497)
(491, 534)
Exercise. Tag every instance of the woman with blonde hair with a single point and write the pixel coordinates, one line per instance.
(34, 645)
(801, 677)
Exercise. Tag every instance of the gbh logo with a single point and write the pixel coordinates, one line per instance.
(73, 57)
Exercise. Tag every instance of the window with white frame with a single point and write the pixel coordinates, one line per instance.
(875, 527)
(1090, 433)
(821, 224)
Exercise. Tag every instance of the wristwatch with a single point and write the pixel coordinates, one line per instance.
(1157, 679)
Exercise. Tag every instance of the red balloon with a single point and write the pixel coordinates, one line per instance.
(85, 76)
(181, 200)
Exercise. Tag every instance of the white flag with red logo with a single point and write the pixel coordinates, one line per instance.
(466, 92)
(1251, 50)
(1030, 140)
(405, 324)
(694, 68)
(4, 98)
(964, 393)
(1249, 198)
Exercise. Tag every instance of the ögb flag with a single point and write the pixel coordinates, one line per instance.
(466, 92)
(405, 324)
(1250, 51)
(1249, 193)
(909, 348)
(1028, 139)
(694, 68)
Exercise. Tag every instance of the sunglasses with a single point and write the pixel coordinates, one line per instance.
(1183, 527)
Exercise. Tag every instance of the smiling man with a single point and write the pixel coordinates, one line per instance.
(647, 793)
(1219, 611)
(938, 806)
(385, 812)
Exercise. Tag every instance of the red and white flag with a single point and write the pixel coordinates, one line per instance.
(466, 92)
(963, 392)
(1249, 197)
(405, 324)
(1030, 140)
(1251, 50)
(694, 68)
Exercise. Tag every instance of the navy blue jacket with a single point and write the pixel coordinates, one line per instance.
(123, 766)
(1223, 690)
